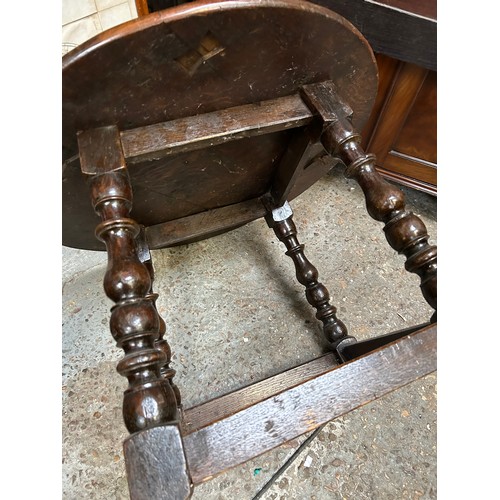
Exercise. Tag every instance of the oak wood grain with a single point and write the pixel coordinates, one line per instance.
(205, 414)
(211, 222)
(295, 411)
(211, 129)
(404, 90)
(192, 60)
(387, 69)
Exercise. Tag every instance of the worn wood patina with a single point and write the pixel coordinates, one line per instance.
(188, 123)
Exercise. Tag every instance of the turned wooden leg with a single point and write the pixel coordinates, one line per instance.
(161, 343)
(280, 220)
(405, 232)
(154, 455)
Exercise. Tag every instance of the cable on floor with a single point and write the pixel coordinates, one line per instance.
(289, 462)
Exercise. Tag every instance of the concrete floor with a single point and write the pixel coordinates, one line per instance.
(223, 338)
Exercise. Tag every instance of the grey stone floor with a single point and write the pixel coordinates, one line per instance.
(235, 314)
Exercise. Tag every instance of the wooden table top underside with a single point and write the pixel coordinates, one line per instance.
(188, 62)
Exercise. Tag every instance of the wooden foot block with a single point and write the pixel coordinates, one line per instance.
(156, 465)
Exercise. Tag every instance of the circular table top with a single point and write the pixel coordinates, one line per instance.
(156, 68)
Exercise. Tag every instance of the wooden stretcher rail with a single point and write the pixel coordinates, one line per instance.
(216, 409)
(246, 433)
(196, 226)
(210, 129)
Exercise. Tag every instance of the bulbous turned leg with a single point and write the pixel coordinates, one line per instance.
(161, 343)
(149, 399)
(405, 232)
(154, 453)
(280, 220)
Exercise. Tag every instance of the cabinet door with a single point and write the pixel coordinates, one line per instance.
(401, 131)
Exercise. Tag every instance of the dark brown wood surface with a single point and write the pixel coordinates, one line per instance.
(387, 70)
(405, 232)
(149, 399)
(402, 34)
(418, 136)
(307, 275)
(402, 94)
(201, 58)
(161, 343)
(217, 409)
(402, 131)
(425, 8)
(281, 417)
(404, 29)
(198, 226)
(210, 129)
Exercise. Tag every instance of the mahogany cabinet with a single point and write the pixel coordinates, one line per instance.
(402, 128)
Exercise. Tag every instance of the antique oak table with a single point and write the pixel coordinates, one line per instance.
(191, 122)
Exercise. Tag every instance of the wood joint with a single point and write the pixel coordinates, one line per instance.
(101, 150)
(323, 99)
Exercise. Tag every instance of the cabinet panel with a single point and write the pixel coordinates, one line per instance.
(401, 131)
(418, 136)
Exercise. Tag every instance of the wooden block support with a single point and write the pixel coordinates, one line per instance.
(156, 465)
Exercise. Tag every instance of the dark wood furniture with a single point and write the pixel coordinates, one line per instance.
(402, 128)
(193, 121)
